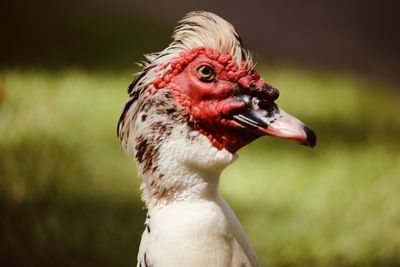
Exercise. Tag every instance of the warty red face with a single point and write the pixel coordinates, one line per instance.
(229, 104)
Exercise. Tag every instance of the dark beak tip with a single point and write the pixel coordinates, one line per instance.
(311, 138)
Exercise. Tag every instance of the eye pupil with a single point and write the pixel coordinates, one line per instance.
(206, 73)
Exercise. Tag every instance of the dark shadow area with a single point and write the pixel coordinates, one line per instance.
(57, 35)
(360, 36)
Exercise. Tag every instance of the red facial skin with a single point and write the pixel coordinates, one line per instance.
(208, 102)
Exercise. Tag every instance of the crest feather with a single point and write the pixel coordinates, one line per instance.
(205, 29)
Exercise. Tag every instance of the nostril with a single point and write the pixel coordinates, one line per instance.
(265, 92)
(267, 105)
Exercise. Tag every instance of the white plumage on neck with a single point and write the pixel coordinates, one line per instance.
(192, 222)
(190, 168)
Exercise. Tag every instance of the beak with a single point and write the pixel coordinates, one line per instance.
(266, 118)
(287, 126)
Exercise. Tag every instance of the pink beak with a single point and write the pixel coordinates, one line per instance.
(288, 127)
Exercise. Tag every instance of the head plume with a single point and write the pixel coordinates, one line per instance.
(204, 29)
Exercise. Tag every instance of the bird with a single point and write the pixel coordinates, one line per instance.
(189, 110)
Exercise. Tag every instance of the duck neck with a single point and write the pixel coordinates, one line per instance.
(180, 184)
(188, 169)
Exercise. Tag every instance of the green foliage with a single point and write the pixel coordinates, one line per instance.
(69, 197)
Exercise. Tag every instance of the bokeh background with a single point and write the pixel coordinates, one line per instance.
(70, 197)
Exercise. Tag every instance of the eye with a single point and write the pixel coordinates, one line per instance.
(207, 74)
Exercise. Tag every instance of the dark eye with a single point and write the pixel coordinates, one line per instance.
(207, 74)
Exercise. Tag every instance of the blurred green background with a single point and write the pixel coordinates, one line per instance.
(70, 197)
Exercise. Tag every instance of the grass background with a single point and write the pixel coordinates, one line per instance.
(70, 197)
